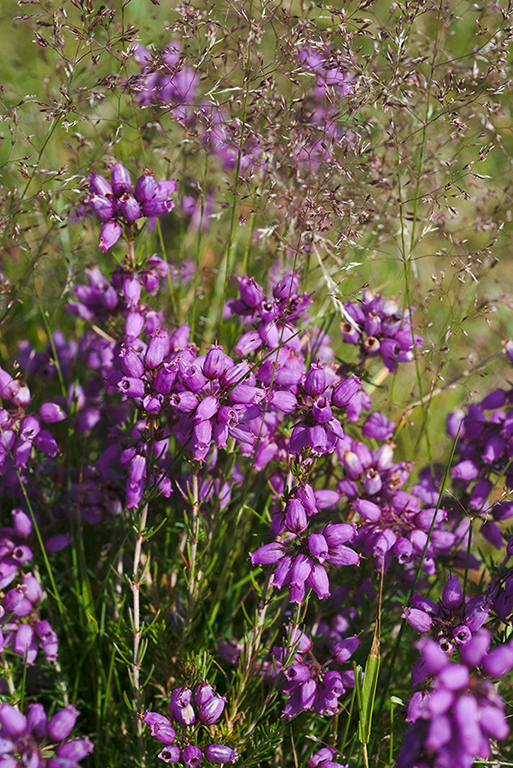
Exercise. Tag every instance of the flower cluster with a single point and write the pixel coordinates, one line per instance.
(483, 451)
(205, 397)
(394, 523)
(222, 137)
(301, 554)
(224, 470)
(21, 430)
(119, 207)
(454, 722)
(190, 710)
(321, 129)
(21, 628)
(453, 620)
(329, 72)
(285, 306)
(165, 79)
(379, 328)
(319, 430)
(35, 740)
(309, 682)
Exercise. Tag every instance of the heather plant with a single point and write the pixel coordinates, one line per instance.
(255, 407)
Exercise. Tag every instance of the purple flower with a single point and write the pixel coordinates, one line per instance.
(29, 738)
(160, 727)
(180, 706)
(120, 180)
(219, 754)
(192, 756)
(454, 722)
(210, 711)
(378, 327)
(109, 235)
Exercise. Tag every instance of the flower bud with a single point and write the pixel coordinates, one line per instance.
(318, 581)
(219, 753)
(203, 693)
(164, 379)
(130, 362)
(98, 185)
(134, 324)
(344, 649)
(318, 546)
(129, 208)
(154, 208)
(132, 290)
(137, 471)
(268, 554)
(418, 619)
(15, 602)
(345, 391)
(452, 595)
(102, 206)
(13, 722)
(109, 235)
(322, 757)
(120, 179)
(368, 510)
(283, 401)
(37, 721)
(249, 342)
(51, 412)
(250, 292)
(61, 724)
(338, 533)
(49, 640)
(499, 661)
(157, 349)
(24, 644)
(164, 189)
(161, 729)
(180, 706)
(315, 381)
(22, 523)
(75, 750)
(210, 712)
(216, 363)
(32, 588)
(145, 187)
(465, 470)
(58, 542)
(282, 572)
(295, 517)
(474, 650)
(207, 408)
(192, 756)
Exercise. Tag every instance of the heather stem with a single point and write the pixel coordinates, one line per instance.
(252, 643)
(136, 586)
(194, 577)
(8, 676)
(131, 254)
